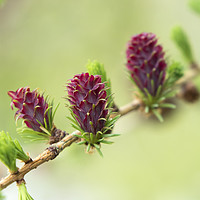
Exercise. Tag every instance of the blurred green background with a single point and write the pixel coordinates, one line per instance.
(44, 43)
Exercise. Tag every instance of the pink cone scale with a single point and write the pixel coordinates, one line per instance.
(146, 63)
(88, 99)
(32, 108)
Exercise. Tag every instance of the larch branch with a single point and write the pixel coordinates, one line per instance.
(53, 150)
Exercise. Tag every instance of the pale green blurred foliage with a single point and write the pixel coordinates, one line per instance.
(195, 5)
(179, 37)
(1, 2)
(1, 196)
(44, 43)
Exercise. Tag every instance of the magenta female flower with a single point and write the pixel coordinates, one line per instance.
(32, 108)
(148, 69)
(87, 96)
(90, 108)
(146, 63)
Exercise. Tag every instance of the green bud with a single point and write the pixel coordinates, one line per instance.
(96, 68)
(195, 5)
(180, 38)
(21, 155)
(8, 152)
(23, 193)
(175, 72)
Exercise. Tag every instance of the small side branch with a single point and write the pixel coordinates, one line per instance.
(134, 105)
(49, 154)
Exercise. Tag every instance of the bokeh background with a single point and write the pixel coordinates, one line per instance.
(44, 43)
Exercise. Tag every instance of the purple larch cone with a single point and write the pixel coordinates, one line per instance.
(88, 99)
(32, 107)
(146, 63)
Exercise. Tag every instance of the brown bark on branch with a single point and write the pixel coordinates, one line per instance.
(134, 105)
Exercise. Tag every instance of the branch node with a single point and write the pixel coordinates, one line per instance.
(57, 135)
(19, 182)
(54, 150)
